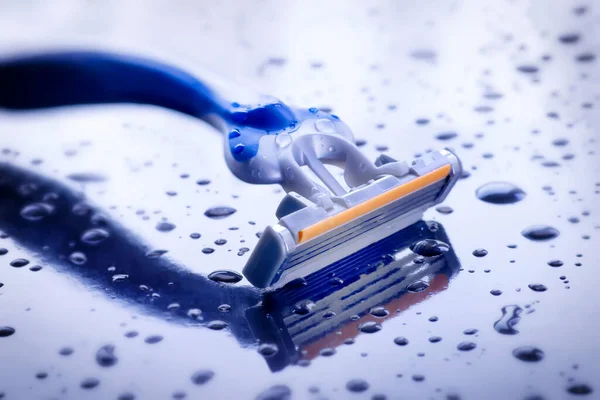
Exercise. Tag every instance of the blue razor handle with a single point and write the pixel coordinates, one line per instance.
(265, 143)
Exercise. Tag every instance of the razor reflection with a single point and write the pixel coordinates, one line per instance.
(330, 307)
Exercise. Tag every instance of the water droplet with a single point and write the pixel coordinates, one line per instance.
(500, 193)
(296, 283)
(41, 375)
(357, 385)
(324, 125)
(369, 327)
(336, 281)
(289, 173)
(379, 312)
(86, 177)
(94, 236)
(585, 57)
(435, 339)
(195, 235)
(81, 209)
(208, 250)
(283, 140)
(105, 356)
(466, 346)
(224, 308)
(560, 142)
(268, 349)
(304, 307)
(579, 388)
(537, 287)
(446, 136)
(225, 276)
(540, 232)
(496, 292)
(203, 182)
(444, 210)
(470, 331)
(238, 148)
(126, 396)
(165, 226)
(483, 109)
(569, 38)
(493, 95)
(277, 392)
(528, 69)
(217, 325)
(220, 242)
(424, 55)
(430, 247)
(555, 263)
(202, 376)
(131, 334)
(528, 353)
(3, 251)
(27, 189)
(153, 339)
(37, 211)
(156, 253)
(418, 378)
(219, 212)
(480, 252)
(401, 341)
(66, 351)
(19, 262)
(360, 142)
(6, 331)
(99, 219)
(550, 164)
(417, 286)
(78, 258)
(510, 317)
(89, 383)
(117, 278)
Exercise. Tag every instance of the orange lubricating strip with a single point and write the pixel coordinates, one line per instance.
(372, 204)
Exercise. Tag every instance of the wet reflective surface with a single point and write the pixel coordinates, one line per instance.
(113, 218)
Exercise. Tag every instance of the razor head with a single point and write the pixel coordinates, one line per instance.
(311, 235)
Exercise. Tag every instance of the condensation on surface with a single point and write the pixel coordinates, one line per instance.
(512, 86)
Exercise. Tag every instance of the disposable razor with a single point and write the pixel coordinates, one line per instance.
(322, 219)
